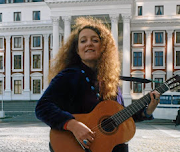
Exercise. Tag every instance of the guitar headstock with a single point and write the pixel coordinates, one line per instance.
(173, 82)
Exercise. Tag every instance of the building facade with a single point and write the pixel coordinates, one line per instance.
(147, 33)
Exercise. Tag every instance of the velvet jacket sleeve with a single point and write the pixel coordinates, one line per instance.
(52, 107)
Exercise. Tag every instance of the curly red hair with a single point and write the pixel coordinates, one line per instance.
(108, 66)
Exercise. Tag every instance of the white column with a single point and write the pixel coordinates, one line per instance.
(26, 68)
(169, 54)
(114, 27)
(7, 91)
(55, 21)
(67, 27)
(126, 59)
(46, 61)
(148, 61)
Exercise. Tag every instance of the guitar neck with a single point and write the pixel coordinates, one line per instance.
(136, 106)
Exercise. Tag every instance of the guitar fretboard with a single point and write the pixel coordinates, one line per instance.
(136, 106)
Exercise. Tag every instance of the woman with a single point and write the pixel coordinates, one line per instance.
(85, 72)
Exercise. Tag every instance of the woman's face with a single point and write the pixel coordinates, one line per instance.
(89, 46)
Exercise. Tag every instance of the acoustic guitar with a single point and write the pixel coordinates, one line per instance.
(112, 123)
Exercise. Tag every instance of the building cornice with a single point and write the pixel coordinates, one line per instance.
(87, 1)
(155, 24)
(69, 3)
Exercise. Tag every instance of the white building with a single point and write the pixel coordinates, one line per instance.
(146, 31)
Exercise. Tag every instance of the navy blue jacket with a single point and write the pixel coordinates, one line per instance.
(70, 92)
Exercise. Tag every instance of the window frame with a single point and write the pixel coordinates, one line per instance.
(154, 38)
(32, 47)
(17, 53)
(19, 16)
(36, 53)
(156, 49)
(13, 40)
(33, 86)
(175, 50)
(51, 41)
(137, 74)
(137, 50)
(36, 76)
(158, 74)
(162, 10)
(17, 76)
(39, 16)
(133, 44)
(1, 16)
(177, 9)
(175, 34)
(2, 54)
(2, 43)
(138, 10)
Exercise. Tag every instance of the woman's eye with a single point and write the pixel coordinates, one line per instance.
(95, 40)
(83, 41)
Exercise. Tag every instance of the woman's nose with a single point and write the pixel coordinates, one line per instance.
(89, 43)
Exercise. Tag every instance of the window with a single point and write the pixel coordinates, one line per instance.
(158, 82)
(17, 61)
(159, 58)
(158, 38)
(18, 1)
(137, 38)
(0, 17)
(137, 59)
(1, 43)
(17, 43)
(2, 1)
(1, 87)
(36, 42)
(137, 87)
(51, 41)
(17, 16)
(17, 87)
(177, 38)
(177, 58)
(176, 99)
(1, 62)
(36, 61)
(159, 10)
(36, 15)
(36, 86)
(158, 76)
(139, 10)
(178, 9)
(37, 0)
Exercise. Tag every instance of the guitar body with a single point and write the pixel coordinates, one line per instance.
(106, 137)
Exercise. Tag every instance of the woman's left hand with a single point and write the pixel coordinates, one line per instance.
(155, 99)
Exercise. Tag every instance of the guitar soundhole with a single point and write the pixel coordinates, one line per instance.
(108, 126)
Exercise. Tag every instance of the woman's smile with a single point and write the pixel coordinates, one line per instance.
(89, 47)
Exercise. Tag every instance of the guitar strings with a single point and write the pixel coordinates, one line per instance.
(108, 125)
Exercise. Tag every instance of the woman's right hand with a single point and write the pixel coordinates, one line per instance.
(81, 132)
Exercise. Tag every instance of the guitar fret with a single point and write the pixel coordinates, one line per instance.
(136, 106)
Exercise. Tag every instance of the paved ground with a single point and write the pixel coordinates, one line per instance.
(154, 136)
